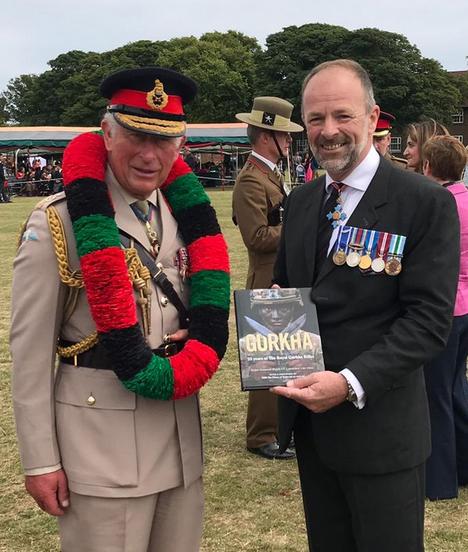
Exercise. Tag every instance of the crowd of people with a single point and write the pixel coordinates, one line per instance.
(35, 179)
(136, 309)
(30, 178)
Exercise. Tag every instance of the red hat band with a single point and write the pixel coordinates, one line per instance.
(143, 100)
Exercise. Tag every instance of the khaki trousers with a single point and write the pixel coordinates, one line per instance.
(170, 521)
(261, 418)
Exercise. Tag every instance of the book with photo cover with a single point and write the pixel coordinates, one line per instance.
(277, 336)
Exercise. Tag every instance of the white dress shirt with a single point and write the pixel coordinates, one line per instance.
(356, 184)
(267, 162)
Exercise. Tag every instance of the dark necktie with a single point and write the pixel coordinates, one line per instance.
(325, 227)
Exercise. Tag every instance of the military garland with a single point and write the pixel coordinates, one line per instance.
(109, 289)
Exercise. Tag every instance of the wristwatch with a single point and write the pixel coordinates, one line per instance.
(351, 397)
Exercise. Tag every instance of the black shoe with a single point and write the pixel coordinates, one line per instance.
(271, 452)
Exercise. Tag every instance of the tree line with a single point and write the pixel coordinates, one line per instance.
(231, 68)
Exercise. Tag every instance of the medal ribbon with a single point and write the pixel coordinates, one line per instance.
(391, 249)
(343, 238)
(373, 243)
(353, 237)
(400, 246)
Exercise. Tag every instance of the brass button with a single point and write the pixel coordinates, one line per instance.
(164, 301)
(91, 401)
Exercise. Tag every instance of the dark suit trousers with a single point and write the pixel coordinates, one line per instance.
(357, 513)
(447, 391)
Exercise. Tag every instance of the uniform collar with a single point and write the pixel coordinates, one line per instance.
(267, 162)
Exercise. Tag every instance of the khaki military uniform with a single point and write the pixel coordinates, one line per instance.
(257, 196)
(117, 444)
(397, 161)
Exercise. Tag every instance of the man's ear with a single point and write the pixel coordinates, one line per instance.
(426, 168)
(107, 133)
(373, 118)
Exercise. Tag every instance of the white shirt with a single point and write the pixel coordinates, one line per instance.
(356, 185)
(267, 162)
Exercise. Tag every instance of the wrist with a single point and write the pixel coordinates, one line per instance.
(350, 392)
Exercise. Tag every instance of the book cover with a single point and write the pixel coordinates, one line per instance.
(277, 336)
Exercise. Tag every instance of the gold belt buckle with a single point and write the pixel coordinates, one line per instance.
(170, 349)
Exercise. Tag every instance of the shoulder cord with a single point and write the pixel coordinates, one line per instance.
(139, 274)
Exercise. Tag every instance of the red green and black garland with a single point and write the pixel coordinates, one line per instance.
(110, 291)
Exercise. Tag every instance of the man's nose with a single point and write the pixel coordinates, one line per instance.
(148, 150)
(330, 128)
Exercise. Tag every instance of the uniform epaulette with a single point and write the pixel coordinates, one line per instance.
(399, 160)
(46, 202)
(41, 205)
(252, 164)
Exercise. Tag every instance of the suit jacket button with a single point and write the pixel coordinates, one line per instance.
(91, 401)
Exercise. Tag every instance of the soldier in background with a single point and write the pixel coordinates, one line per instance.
(257, 204)
(382, 139)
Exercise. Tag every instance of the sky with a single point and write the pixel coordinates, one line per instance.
(36, 31)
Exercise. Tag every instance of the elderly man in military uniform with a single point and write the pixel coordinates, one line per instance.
(382, 138)
(257, 204)
(120, 465)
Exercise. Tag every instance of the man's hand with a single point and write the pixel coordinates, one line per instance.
(179, 335)
(50, 491)
(318, 392)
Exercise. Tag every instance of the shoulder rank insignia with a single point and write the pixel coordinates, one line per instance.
(157, 99)
(29, 235)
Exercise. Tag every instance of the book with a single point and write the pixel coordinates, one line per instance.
(277, 336)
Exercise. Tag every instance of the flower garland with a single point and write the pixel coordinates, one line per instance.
(109, 289)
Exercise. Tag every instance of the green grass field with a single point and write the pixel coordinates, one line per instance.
(251, 504)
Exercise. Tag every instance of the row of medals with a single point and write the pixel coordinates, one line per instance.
(355, 257)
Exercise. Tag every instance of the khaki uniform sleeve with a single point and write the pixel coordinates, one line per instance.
(250, 207)
(37, 305)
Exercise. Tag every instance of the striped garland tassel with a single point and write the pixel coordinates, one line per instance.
(109, 289)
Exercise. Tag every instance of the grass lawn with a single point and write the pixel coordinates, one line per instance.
(251, 504)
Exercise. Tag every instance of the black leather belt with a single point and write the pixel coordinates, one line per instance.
(96, 357)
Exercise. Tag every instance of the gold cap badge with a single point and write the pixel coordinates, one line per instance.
(157, 99)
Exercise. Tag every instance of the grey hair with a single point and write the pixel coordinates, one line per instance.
(110, 119)
(352, 66)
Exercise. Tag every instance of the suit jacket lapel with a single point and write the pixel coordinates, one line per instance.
(312, 213)
(366, 213)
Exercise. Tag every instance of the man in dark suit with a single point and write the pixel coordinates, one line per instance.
(379, 247)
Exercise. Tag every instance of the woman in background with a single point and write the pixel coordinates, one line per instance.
(443, 160)
(417, 135)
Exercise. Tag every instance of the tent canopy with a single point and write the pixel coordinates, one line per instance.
(57, 138)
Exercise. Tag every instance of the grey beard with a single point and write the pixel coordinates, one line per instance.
(338, 166)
